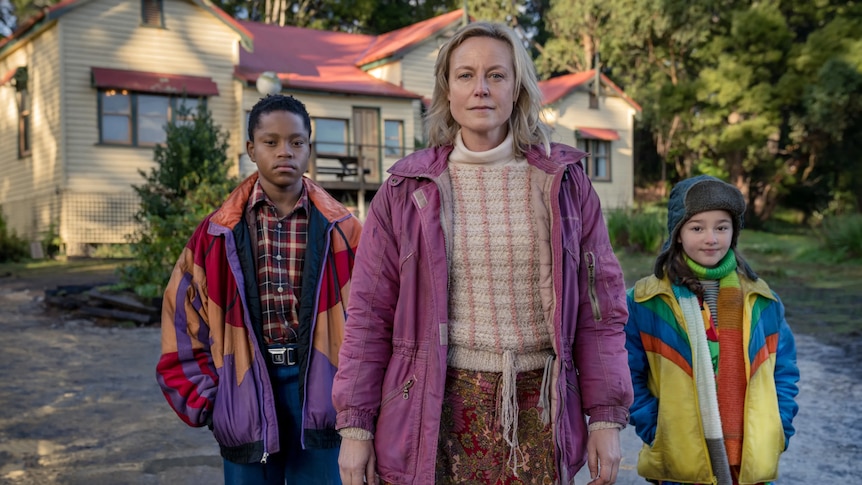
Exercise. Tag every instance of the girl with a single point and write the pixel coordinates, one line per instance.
(712, 358)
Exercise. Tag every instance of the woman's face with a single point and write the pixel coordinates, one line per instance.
(706, 237)
(481, 91)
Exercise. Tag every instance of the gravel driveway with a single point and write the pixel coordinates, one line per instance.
(79, 404)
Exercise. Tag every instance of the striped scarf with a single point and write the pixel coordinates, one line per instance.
(721, 399)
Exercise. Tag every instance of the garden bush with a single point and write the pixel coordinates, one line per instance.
(636, 230)
(12, 247)
(842, 235)
(190, 180)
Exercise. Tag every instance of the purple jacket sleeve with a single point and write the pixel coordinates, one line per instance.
(599, 346)
(367, 345)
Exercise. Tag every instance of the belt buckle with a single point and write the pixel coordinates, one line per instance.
(283, 355)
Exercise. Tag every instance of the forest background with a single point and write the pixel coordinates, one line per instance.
(765, 94)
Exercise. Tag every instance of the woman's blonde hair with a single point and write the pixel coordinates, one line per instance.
(525, 123)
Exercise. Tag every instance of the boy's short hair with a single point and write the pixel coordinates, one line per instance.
(277, 102)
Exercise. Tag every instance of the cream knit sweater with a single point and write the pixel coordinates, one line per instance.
(495, 313)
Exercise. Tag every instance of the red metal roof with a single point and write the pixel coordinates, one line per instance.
(315, 60)
(598, 133)
(558, 87)
(153, 82)
(391, 43)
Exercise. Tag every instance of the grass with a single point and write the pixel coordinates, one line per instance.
(62, 271)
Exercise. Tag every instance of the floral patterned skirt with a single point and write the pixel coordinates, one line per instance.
(472, 448)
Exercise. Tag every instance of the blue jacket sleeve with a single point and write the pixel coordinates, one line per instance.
(786, 375)
(644, 409)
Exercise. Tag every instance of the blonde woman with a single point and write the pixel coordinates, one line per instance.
(482, 258)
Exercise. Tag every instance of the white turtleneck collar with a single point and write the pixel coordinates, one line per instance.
(502, 154)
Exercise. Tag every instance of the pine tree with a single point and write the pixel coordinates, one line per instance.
(189, 181)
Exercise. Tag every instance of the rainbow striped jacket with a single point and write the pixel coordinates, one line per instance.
(665, 411)
(212, 369)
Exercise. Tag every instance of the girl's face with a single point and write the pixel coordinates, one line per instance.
(706, 237)
(482, 91)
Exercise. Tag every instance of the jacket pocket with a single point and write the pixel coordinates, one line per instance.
(605, 285)
(237, 414)
(397, 436)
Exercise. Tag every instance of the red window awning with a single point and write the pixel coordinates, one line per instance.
(153, 82)
(7, 77)
(598, 133)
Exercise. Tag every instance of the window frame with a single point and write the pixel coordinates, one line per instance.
(25, 122)
(148, 7)
(317, 131)
(133, 135)
(590, 146)
(396, 151)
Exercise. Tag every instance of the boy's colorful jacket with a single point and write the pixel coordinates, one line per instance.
(213, 370)
(660, 358)
(393, 361)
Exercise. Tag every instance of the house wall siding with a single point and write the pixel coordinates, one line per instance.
(98, 198)
(616, 114)
(109, 34)
(417, 67)
(30, 186)
(390, 72)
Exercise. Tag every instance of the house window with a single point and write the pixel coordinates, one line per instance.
(599, 162)
(152, 13)
(24, 116)
(330, 136)
(135, 119)
(185, 110)
(393, 138)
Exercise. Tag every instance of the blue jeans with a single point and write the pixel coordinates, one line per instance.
(292, 465)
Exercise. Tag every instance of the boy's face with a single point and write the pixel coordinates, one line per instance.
(706, 237)
(280, 150)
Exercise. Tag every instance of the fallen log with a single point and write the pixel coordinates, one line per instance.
(122, 301)
(115, 314)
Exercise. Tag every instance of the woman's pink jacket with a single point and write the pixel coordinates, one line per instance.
(392, 364)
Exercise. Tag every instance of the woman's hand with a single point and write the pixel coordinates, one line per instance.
(357, 462)
(603, 456)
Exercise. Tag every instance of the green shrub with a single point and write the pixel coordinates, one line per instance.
(12, 247)
(51, 242)
(636, 230)
(189, 181)
(842, 235)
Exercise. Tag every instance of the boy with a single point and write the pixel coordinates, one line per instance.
(253, 315)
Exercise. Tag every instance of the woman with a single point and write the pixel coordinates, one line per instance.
(481, 257)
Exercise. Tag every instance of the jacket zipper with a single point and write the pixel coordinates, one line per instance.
(591, 277)
(404, 390)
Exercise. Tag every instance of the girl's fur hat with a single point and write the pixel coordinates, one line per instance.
(700, 194)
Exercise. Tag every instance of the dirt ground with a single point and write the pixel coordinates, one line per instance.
(79, 404)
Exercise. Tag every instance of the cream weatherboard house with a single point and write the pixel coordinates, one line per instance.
(86, 87)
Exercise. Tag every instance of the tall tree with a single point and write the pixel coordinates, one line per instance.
(822, 88)
(575, 29)
(739, 105)
(653, 49)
